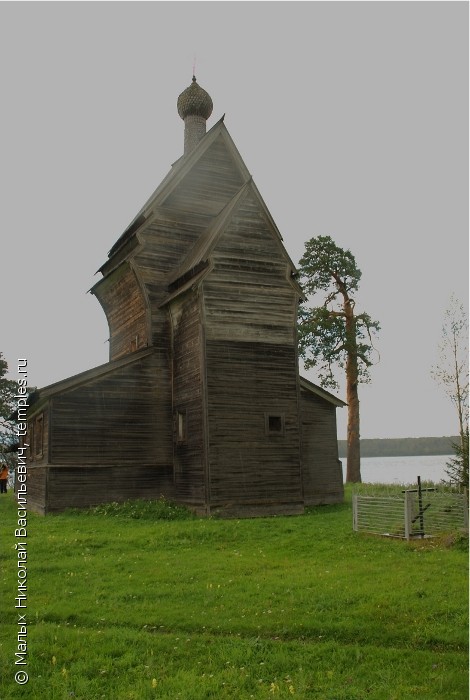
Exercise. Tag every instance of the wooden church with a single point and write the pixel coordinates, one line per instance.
(201, 401)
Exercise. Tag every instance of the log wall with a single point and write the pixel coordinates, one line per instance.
(166, 242)
(247, 383)
(188, 403)
(38, 437)
(123, 417)
(247, 294)
(80, 487)
(36, 489)
(321, 467)
(124, 304)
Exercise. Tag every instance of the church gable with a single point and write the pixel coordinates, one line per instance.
(249, 232)
(249, 292)
(211, 182)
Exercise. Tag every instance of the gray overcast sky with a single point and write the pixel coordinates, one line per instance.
(351, 117)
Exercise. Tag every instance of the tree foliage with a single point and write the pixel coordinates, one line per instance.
(325, 341)
(457, 467)
(8, 391)
(451, 373)
(330, 333)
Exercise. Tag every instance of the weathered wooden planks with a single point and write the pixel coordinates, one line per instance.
(188, 401)
(321, 468)
(123, 417)
(36, 489)
(246, 382)
(82, 486)
(211, 183)
(124, 304)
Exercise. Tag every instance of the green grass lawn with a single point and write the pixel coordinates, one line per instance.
(124, 607)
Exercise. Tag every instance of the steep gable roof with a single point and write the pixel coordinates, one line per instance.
(161, 197)
(174, 177)
(210, 182)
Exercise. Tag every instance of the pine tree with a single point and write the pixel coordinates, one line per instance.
(333, 333)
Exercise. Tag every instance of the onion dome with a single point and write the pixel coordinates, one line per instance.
(194, 101)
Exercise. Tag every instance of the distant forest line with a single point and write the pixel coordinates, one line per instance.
(403, 447)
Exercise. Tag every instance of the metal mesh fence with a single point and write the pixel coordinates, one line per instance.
(436, 513)
(379, 515)
(410, 514)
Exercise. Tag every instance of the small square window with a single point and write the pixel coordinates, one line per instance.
(274, 423)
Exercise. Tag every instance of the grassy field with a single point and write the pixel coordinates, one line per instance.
(126, 607)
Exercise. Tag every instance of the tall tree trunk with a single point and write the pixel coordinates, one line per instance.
(353, 469)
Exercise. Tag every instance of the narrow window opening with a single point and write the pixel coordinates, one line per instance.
(135, 344)
(38, 437)
(181, 426)
(31, 440)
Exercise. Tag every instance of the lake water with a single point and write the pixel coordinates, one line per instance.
(401, 470)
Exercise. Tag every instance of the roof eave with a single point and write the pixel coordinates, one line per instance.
(322, 393)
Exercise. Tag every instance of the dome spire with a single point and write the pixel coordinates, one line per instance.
(194, 107)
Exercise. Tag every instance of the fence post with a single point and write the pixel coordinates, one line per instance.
(465, 508)
(408, 515)
(355, 525)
